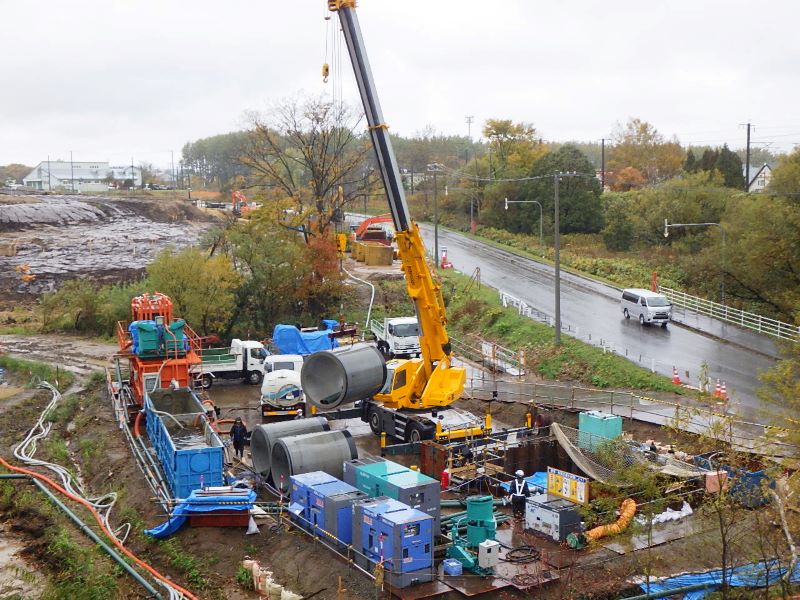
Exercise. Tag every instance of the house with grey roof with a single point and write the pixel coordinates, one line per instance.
(758, 178)
(80, 176)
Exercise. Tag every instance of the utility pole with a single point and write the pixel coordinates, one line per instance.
(49, 182)
(133, 176)
(412, 180)
(469, 126)
(72, 173)
(434, 168)
(747, 163)
(557, 243)
(174, 183)
(603, 164)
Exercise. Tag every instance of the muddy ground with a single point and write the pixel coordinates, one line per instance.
(214, 554)
(102, 238)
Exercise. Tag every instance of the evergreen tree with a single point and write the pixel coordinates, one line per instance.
(690, 164)
(730, 165)
(708, 160)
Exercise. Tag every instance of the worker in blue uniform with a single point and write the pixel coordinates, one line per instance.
(238, 436)
(519, 493)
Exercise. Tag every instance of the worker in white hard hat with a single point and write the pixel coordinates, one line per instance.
(519, 492)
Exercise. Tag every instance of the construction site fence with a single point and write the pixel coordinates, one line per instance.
(747, 320)
(744, 434)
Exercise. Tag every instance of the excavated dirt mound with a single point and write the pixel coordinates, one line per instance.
(56, 238)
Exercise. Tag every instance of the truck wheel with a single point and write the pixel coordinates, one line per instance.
(641, 320)
(414, 432)
(254, 377)
(664, 325)
(374, 419)
(383, 348)
(206, 381)
(626, 313)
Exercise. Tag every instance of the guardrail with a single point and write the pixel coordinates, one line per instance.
(752, 321)
(523, 308)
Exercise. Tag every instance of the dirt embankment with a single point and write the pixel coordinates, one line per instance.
(50, 239)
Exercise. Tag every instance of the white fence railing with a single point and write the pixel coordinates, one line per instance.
(525, 309)
(773, 327)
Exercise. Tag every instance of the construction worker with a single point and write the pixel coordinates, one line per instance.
(519, 492)
(238, 436)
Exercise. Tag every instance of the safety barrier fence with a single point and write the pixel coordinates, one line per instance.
(743, 434)
(752, 321)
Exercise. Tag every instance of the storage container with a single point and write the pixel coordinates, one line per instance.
(595, 428)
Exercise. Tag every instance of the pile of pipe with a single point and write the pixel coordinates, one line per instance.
(288, 448)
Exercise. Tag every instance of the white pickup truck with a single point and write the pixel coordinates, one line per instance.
(281, 393)
(397, 336)
(243, 360)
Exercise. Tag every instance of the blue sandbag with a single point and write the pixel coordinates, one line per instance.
(753, 575)
(537, 481)
(201, 504)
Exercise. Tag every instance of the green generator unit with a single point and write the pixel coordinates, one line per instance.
(478, 552)
(387, 478)
(596, 427)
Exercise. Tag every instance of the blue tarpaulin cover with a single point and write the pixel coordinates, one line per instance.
(290, 340)
(750, 576)
(537, 480)
(201, 504)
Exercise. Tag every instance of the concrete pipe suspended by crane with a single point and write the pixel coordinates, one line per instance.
(332, 378)
(626, 512)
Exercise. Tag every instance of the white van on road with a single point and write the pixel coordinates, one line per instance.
(647, 306)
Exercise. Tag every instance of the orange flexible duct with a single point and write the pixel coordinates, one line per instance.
(626, 512)
(99, 520)
(136, 424)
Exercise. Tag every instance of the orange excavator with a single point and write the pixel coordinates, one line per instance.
(370, 230)
(240, 203)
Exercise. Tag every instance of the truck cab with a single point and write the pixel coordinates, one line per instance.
(397, 336)
(243, 360)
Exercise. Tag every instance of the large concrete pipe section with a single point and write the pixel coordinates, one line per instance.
(332, 378)
(324, 451)
(266, 436)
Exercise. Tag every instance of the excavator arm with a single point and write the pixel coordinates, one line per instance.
(433, 381)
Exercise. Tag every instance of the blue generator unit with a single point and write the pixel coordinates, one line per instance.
(323, 506)
(401, 538)
(386, 478)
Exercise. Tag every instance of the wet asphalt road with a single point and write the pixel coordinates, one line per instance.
(591, 309)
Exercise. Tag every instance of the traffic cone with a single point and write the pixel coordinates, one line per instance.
(717, 391)
(676, 379)
(723, 394)
(445, 264)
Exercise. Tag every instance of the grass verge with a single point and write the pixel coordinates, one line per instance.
(35, 372)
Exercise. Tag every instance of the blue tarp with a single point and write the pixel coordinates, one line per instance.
(201, 504)
(750, 576)
(537, 480)
(290, 340)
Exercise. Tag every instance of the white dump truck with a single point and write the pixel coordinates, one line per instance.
(281, 392)
(243, 360)
(397, 336)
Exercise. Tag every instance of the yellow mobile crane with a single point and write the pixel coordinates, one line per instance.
(413, 403)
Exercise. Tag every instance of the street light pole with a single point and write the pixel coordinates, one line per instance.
(668, 226)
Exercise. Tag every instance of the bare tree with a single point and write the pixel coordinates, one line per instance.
(310, 150)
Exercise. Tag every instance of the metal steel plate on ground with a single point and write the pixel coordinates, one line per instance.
(567, 485)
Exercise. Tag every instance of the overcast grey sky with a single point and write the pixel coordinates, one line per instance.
(116, 78)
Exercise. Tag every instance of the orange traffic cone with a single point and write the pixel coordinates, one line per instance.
(723, 394)
(717, 391)
(676, 379)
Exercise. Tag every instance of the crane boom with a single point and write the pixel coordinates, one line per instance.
(434, 382)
